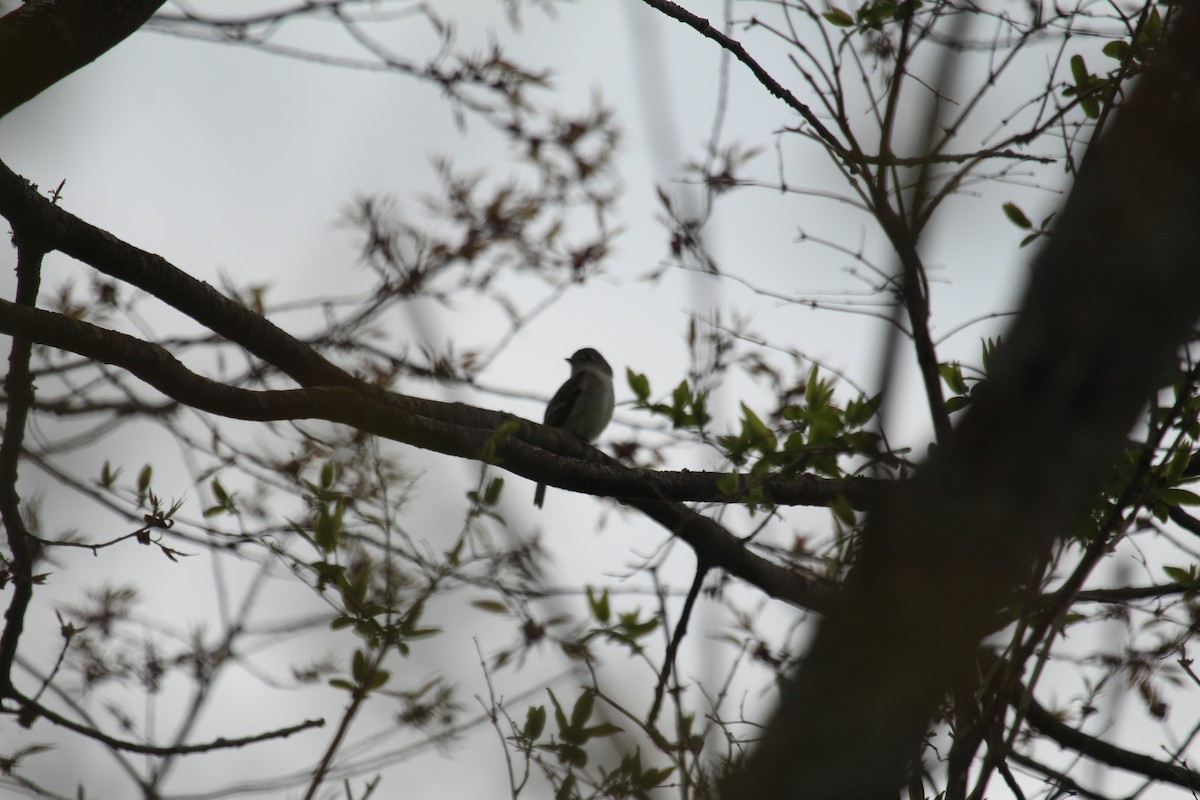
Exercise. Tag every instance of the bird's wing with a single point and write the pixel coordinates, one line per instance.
(563, 401)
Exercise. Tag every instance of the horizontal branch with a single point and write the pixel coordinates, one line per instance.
(32, 710)
(1099, 750)
(533, 451)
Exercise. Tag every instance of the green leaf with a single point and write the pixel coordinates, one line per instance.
(1016, 216)
(582, 711)
(358, 665)
(492, 606)
(1178, 465)
(606, 729)
(1116, 50)
(835, 16)
(559, 717)
(567, 790)
(1179, 497)
(952, 376)
(1152, 30)
(639, 384)
(377, 679)
(575, 756)
(599, 605)
(108, 475)
(492, 494)
(759, 436)
(957, 403)
(1080, 72)
(1184, 577)
(654, 777)
(143, 479)
(535, 722)
(812, 388)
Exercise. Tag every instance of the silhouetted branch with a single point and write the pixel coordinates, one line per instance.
(42, 43)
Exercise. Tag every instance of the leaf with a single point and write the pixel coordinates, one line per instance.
(575, 756)
(582, 711)
(639, 384)
(1116, 50)
(599, 605)
(759, 435)
(952, 376)
(535, 722)
(957, 403)
(606, 729)
(653, 777)
(493, 606)
(559, 717)
(492, 495)
(812, 387)
(378, 679)
(567, 790)
(143, 480)
(1179, 497)
(835, 16)
(1080, 72)
(108, 475)
(358, 665)
(1016, 216)
(1184, 577)
(1178, 465)
(1152, 30)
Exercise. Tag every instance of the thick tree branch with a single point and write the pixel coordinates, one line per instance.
(1102, 751)
(1114, 295)
(450, 428)
(23, 206)
(42, 43)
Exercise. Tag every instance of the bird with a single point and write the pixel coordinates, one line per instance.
(583, 405)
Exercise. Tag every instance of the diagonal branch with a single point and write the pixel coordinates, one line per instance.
(1099, 750)
(731, 45)
(42, 43)
(23, 206)
(451, 428)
